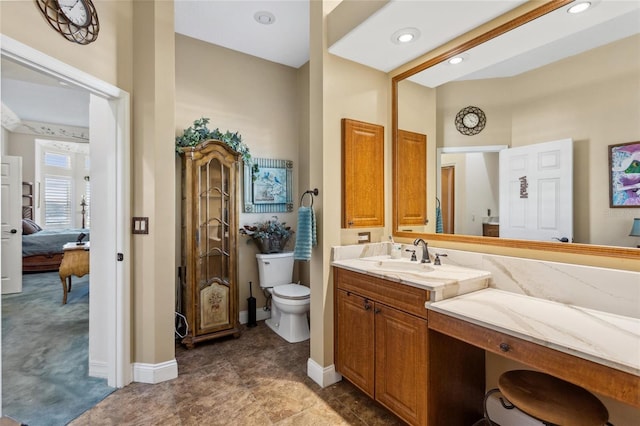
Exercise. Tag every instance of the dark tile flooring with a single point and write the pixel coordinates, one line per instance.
(256, 379)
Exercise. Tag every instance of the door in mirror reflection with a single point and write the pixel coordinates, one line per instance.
(536, 191)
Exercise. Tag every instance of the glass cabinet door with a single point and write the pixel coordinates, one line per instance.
(213, 246)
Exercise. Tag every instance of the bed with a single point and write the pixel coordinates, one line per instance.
(42, 248)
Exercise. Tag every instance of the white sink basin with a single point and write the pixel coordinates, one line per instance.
(403, 265)
(433, 277)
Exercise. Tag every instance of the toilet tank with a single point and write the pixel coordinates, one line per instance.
(275, 269)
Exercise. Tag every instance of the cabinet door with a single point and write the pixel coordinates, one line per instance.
(362, 174)
(401, 363)
(354, 341)
(213, 261)
(412, 178)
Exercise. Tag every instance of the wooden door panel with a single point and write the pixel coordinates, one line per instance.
(412, 178)
(362, 174)
(401, 363)
(448, 191)
(354, 351)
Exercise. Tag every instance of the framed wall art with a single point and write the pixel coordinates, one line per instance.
(624, 175)
(269, 191)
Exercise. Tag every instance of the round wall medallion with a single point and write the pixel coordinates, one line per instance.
(470, 120)
(76, 20)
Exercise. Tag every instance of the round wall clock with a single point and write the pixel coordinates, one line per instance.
(470, 120)
(76, 20)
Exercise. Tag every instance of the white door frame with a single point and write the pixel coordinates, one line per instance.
(110, 114)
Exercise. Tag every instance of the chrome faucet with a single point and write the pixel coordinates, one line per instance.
(425, 250)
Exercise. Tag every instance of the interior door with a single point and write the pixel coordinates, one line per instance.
(536, 191)
(448, 205)
(11, 224)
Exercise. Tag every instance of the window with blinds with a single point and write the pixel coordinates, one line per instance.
(65, 185)
(57, 202)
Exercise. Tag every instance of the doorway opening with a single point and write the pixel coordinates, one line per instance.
(109, 110)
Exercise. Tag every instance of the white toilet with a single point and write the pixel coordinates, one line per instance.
(289, 302)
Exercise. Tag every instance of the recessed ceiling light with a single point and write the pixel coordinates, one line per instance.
(405, 35)
(264, 17)
(456, 60)
(579, 7)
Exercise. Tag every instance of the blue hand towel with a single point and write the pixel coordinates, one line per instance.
(305, 234)
(439, 226)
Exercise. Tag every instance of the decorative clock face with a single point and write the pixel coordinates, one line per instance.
(76, 20)
(470, 120)
(76, 11)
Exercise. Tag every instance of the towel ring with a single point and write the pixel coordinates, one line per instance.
(311, 193)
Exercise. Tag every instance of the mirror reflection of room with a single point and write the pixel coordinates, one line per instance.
(590, 97)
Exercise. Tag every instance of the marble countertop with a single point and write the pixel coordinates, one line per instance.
(602, 337)
(443, 281)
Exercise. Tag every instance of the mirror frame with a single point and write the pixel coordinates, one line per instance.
(460, 47)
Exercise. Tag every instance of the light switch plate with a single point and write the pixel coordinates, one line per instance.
(140, 225)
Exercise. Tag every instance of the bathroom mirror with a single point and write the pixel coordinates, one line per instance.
(423, 104)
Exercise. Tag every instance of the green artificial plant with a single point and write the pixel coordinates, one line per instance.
(199, 132)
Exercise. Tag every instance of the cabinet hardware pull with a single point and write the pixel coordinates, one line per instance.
(377, 310)
(504, 347)
(367, 306)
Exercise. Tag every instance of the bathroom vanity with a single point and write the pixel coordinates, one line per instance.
(414, 337)
(384, 347)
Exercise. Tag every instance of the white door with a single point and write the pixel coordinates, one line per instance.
(11, 225)
(536, 192)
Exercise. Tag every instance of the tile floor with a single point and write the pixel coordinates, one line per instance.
(257, 379)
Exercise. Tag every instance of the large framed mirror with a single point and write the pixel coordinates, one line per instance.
(589, 96)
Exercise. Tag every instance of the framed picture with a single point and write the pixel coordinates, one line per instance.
(269, 191)
(624, 175)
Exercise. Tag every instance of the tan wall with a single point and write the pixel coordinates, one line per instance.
(108, 58)
(24, 146)
(111, 58)
(304, 158)
(153, 181)
(417, 114)
(257, 98)
(339, 89)
(591, 98)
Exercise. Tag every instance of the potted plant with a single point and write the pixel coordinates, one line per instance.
(199, 132)
(270, 236)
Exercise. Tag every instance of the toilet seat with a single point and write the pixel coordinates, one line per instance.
(292, 291)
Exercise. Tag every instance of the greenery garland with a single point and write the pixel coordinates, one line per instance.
(199, 132)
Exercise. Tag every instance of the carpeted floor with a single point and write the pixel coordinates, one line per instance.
(45, 352)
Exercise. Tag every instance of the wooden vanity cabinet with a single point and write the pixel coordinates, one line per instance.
(384, 347)
(379, 348)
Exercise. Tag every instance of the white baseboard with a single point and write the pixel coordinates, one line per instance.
(324, 376)
(261, 315)
(98, 369)
(155, 373)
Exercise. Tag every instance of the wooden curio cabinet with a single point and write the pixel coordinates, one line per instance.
(210, 200)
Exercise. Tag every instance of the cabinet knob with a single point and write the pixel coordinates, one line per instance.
(504, 347)
(377, 310)
(367, 306)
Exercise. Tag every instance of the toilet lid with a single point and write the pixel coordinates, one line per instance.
(292, 291)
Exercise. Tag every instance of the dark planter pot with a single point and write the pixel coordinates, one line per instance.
(271, 245)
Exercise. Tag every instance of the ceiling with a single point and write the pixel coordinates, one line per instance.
(232, 24)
